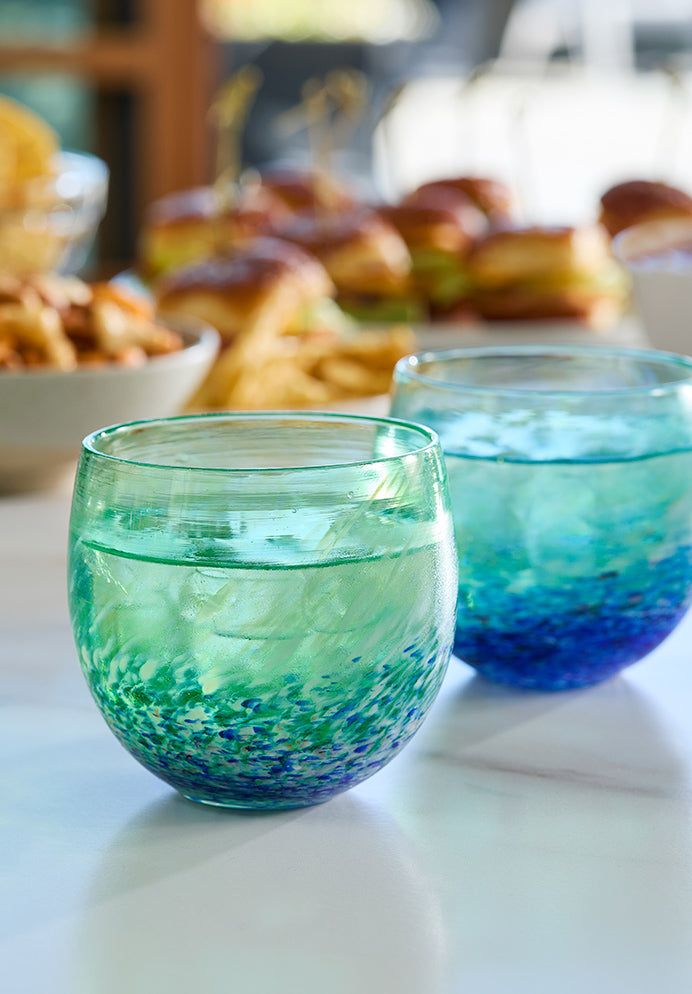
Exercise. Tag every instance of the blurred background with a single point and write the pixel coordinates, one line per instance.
(559, 98)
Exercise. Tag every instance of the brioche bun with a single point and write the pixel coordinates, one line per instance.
(450, 226)
(360, 249)
(306, 190)
(490, 196)
(634, 201)
(262, 283)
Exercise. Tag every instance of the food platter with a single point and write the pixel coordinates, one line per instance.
(459, 334)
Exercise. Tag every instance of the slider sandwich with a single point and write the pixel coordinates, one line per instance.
(192, 224)
(439, 234)
(636, 201)
(262, 287)
(540, 272)
(367, 259)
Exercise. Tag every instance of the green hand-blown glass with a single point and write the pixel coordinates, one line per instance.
(263, 604)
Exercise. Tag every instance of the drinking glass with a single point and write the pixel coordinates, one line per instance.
(263, 604)
(570, 474)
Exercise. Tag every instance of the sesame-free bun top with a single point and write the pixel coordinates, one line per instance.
(634, 201)
(450, 225)
(360, 249)
(306, 189)
(202, 204)
(188, 225)
(490, 196)
(262, 280)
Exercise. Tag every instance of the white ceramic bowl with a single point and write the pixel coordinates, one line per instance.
(45, 414)
(661, 272)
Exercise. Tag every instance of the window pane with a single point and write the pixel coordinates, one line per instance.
(64, 101)
(24, 21)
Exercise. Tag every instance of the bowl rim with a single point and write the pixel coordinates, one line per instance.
(201, 341)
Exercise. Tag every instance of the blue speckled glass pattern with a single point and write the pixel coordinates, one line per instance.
(570, 473)
(263, 605)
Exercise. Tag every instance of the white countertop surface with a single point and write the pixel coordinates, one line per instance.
(522, 843)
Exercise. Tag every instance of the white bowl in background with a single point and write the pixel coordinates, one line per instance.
(45, 413)
(658, 257)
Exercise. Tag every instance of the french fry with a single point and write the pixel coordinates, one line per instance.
(9, 356)
(116, 330)
(62, 322)
(40, 330)
(126, 300)
(264, 369)
(389, 343)
(60, 292)
(278, 383)
(353, 377)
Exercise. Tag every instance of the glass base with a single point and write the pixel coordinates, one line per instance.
(249, 806)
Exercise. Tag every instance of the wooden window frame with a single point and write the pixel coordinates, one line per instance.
(169, 63)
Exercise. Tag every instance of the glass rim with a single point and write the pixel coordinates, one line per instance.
(429, 435)
(410, 367)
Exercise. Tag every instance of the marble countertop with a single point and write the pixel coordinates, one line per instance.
(521, 844)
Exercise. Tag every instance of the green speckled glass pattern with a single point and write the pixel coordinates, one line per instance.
(263, 605)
